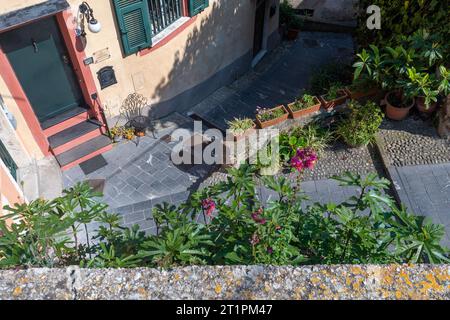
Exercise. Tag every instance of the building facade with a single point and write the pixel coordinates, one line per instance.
(67, 65)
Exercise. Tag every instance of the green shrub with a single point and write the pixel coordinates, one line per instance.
(401, 19)
(363, 122)
(239, 229)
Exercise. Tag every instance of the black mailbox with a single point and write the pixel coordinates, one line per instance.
(106, 77)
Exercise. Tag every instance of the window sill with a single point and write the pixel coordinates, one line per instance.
(168, 34)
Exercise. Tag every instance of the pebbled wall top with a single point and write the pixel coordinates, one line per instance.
(231, 282)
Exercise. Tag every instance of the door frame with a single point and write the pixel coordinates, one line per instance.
(263, 50)
(82, 72)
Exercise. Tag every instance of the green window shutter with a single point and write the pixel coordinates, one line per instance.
(197, 6)
(8, 160)
(134, 23)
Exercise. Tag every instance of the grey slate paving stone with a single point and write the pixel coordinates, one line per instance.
(423, 194)
(134, 217)
(134, 182)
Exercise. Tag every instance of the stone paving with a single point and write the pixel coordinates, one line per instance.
(323, 191)
(139, 172)
(417, 161)
(413, 142)
(425, 191)
(278, 81)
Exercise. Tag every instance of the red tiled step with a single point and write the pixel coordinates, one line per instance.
(83, 152)
(64, 121)
(74, 136)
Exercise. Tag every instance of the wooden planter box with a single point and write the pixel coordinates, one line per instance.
(303, 112)
(329, 104)
(356, 95)
(275, 121)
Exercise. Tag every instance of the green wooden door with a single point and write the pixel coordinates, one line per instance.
(41, 63)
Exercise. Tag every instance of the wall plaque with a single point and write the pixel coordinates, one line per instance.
(101, 55)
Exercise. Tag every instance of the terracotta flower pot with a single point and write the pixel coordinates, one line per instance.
(272, 122)
(394, 112)
(420, 104)
(303, 112)
(292, 34)
(329, 104)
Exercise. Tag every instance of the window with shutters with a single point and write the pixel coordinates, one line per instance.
(8, 160)
(141, 21)
(163, 13)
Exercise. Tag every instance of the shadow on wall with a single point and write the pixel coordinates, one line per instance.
(195, 71)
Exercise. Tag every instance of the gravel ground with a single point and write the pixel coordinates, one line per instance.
(413, 142)
(339, 158)
(336, 160)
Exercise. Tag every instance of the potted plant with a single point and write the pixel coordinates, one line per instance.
(240, 128)
(116, 133)
(423, 86)
(303, 106)
(289, 21)
(334, 96)
(398, 104)
(270, 117)
(361, 125)
(128, 133)
(294, 26)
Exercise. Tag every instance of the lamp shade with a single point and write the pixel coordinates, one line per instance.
(94, 26)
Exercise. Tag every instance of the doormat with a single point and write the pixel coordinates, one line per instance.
(93, 164)
(96, 184)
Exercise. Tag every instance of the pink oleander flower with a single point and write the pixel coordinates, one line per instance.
(254, 240)
(256, 216)
(208, 206)
(304, 158)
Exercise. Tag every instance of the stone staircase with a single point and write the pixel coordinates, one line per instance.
(74, 137)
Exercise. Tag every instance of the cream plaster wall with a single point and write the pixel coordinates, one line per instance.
(220, 35)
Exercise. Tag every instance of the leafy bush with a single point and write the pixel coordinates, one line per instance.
(240, 229)
(363, 122)
(409, 68)
(402, 18)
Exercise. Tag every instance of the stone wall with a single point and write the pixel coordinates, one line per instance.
(231, 282)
